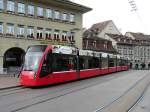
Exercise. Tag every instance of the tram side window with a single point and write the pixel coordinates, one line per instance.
(81, 64)
(96, 62)
(93, 63)
(63, 63)
(111, 63)
(120, 62)
(124, 62)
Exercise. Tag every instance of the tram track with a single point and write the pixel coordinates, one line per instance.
(138, 100)
(116, 105)
(9, 89)
(136, 103)
(14, 90)
(48, 93)
(52, 98)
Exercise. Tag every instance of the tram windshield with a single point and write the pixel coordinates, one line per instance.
(33, 57)
(32, 60)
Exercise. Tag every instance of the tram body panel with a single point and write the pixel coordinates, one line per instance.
(57, 77)
(112, 69)
(28, 78)
(65, 76)
(118, 68)
(89, 73)
(104, 71)
(124, 67)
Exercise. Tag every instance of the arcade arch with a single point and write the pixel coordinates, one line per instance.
(13, 57)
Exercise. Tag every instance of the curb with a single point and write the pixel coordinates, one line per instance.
(129, 98)
(7, 75)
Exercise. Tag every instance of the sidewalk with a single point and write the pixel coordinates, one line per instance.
(8, 81)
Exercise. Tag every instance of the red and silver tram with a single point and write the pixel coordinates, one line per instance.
(51, 64)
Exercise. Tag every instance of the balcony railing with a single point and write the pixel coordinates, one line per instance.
(41, 40)
(9, 35)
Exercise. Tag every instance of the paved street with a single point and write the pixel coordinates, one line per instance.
(80, 96)
(144, 104)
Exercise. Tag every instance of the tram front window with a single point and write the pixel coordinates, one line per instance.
(32, 60)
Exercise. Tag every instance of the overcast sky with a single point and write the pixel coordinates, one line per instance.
(120, 12)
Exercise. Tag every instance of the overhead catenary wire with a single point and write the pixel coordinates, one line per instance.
(135, 10)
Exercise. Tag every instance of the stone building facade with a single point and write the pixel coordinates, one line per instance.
(141, 49)
(137, 50)
(29, 22)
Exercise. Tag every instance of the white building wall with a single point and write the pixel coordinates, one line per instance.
(110, 28)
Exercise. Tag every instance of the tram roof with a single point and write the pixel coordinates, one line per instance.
(73, 51)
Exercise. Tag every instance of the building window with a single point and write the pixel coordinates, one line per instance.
(56, 15)
(56, 35)
(10, 28)
(48, 34)
(30, 9)
(1, 4)
(21, 8)
(40, 11)
(30, 32)
(10, 6)
(39, 33)
(71, 37)
(64, 36)
(94, 44)
(1, 27)
(64, 17)
(105, 46)
(71, 18)
(20, 30)
(48, 13)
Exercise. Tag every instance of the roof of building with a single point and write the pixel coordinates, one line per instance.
(100, 26)
(121, 39)
(95, 29)
(68, 4)
(116, 36)
(140, 36)
(125, 40)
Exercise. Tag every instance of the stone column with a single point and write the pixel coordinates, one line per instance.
(1, 61)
